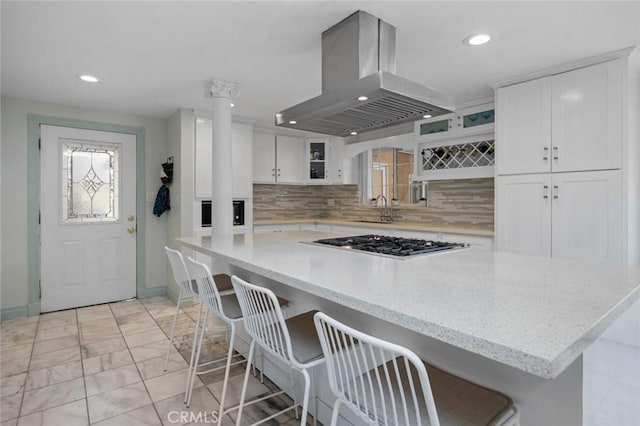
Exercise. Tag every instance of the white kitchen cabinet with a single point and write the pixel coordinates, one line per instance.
(318, 154)
(325, 161)
(456, 146)
(523, 130)
(565, 215)
(474, 120)
(242, 142)
(586, 127)
(523, 214)
(289, 155)
(570, 121)
(264, 157)
(277, 158)
(587, 216)
(241, 153)
(337, 163)
(464, 122)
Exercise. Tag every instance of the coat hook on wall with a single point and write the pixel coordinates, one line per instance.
(166, 174)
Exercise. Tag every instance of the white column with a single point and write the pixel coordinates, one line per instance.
(221, 186)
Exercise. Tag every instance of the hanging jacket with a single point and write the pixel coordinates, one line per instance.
(162, 203)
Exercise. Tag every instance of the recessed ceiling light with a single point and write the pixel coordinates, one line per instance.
(426, 116)
(354, 133)
(476, 39)
(293, 122)
(89, 78)
(362, 98)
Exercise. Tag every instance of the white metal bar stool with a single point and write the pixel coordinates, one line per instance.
(186, 286)
(387, 384)
(294, 340)
(226, 308)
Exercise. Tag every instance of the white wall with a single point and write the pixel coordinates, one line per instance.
(180, 129)
(14, 273)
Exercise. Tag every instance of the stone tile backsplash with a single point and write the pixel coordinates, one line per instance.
(459, 202)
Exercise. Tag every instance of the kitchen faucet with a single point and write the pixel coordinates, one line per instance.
(386, 213)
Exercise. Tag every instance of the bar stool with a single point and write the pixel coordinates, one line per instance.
(227, 308)
(293, 341)
(387, 384)
(188, 286)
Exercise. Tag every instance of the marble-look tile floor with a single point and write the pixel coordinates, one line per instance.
(104, 365)
(611, 384)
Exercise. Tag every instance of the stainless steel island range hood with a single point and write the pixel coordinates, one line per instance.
(360, 91)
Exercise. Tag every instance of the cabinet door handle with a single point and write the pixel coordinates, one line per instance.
(545, 153)
(556, 191)
(555, 152)
(545, 193)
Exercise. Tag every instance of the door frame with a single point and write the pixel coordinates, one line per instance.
(33, 199)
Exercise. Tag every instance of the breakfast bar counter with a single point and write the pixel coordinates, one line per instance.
(533, 317)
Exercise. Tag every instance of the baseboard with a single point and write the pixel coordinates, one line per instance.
(34, 309)
(143, 292)
(12, 313)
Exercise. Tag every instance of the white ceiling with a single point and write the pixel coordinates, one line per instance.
(154, 57)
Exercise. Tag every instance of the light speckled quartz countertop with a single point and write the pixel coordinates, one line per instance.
(535, 314)
(405, 226)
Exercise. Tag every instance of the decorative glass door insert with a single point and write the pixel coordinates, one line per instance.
(90, 181)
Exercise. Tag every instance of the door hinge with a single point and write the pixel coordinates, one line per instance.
(39, 289)
(39, 216)
(39, 144)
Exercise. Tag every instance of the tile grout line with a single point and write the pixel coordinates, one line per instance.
(24, 387)
(84, 381)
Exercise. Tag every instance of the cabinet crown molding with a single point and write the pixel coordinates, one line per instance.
(593, 60)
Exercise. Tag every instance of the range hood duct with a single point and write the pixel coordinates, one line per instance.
(359, 59)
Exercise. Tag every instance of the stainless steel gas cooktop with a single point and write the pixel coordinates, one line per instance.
(395, 247)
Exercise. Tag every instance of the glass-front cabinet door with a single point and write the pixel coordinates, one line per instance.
(476, 119)
(318, 160)
(435, 128)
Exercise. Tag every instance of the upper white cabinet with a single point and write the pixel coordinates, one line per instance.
(289, 155)
(566, 122)
(586, 128)
(242, 141)
(318, 160)
(338, 168)
(464, 122)
(264, 157)
(523, 130)
(277, 158)
(456, 146)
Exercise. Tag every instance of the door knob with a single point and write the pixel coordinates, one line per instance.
(131, 218)
(131, 229)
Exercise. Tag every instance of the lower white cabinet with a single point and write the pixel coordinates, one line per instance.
(575, 215)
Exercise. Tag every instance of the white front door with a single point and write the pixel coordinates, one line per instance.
(88, 217)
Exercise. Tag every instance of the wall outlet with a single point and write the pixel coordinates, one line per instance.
(331, 202)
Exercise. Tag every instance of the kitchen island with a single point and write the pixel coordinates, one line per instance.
(515, 323)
